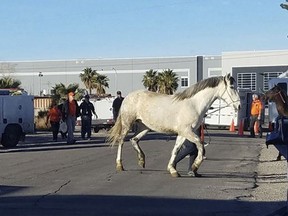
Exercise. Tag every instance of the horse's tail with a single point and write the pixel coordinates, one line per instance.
(114, 133)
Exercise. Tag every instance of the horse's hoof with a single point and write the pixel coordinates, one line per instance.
(119, 168)
(194, 174)
(175, 174)
(197, 175)
(141, 164)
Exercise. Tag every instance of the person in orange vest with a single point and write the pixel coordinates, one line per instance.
(54, 115)
(255, 115)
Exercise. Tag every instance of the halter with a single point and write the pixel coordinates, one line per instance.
(227, 104)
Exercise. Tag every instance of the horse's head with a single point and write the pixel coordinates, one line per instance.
(230, 94)
(272, 93)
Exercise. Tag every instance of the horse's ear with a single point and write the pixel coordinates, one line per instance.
(228, 79)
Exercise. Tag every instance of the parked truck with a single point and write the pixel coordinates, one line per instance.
(16, 117)
(222, 115)
(103, 109)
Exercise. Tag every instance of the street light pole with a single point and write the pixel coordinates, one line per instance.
(40, 76)
(115, 84)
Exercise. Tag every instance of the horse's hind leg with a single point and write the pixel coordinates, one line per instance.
(119, 165)
(142, 131)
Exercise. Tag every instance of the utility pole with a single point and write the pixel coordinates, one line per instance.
(40, 76)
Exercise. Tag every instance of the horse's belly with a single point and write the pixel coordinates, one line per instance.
(161, 126)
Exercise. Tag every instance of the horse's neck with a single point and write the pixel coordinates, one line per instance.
(204, 99)
(282, 108)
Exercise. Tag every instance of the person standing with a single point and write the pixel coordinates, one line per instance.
(255, 115)
(60, 107)
(55, 115)
(71, 112)
(86, 111)
(117, 104)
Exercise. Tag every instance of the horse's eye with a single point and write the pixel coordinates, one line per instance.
(232, 86)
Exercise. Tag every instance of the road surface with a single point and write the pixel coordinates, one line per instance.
(41, 177)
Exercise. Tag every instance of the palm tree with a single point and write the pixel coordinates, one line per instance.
(150, 80)
(87, 78)
(60, 91)
(167, 82)
(9, 82)
(284, 5)
(100, 83)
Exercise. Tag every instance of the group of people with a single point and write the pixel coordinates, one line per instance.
(68, 111)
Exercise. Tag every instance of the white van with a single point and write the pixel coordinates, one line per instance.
(16, 117)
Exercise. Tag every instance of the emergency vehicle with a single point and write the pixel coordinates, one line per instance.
(16, 116)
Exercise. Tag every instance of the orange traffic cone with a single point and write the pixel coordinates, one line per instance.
(232, 126)
(256, 127)
(240, 129)
(202, 133)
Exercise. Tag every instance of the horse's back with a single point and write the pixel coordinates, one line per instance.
(143, 99)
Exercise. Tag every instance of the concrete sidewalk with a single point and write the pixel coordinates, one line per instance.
(271, 180)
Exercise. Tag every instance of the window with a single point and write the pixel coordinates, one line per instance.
(247, 81)
(267, 76)
(212, 72)
(184, 82)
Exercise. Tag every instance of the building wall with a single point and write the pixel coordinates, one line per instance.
(212, 66)
(252, 70)
(127, 74)
(124, 74)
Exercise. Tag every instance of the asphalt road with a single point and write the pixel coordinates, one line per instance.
(40, 177)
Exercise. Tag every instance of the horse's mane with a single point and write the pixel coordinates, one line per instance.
(191, 91)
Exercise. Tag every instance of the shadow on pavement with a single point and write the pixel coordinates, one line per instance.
(52, 204)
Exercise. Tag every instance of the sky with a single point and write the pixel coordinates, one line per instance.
(92, 29)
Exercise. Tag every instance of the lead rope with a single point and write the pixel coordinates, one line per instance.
(209, 137)
(228, 104)
(281, 97)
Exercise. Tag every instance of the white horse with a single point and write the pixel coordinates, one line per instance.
(179, 114)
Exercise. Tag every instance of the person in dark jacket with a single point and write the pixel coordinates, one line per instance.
(117, 104)
(60, 107)
(70, 112)
(86, 111)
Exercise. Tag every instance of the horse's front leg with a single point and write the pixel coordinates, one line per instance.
(140, 154)
(171, 165)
